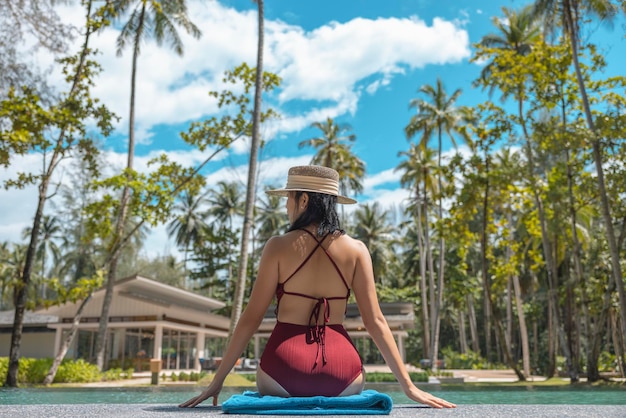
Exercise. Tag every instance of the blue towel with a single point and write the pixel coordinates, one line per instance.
(368, 402)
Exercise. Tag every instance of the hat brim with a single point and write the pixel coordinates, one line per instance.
(285, 193)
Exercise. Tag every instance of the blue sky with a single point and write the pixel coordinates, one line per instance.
(357, 61)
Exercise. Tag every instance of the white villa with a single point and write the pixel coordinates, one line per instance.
(152, 320)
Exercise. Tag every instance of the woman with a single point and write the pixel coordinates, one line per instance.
(312, 270)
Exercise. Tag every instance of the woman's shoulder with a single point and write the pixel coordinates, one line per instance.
(352, 242)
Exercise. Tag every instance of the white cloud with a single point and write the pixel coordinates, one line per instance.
(328, 62)
(326, 65)
(326, 70)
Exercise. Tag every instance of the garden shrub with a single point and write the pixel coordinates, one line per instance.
(112, 374)
(380, 377)
(469, 360)
(79, 371)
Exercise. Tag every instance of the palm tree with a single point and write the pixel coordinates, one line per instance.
(418, 169)
(570, 15)
(507, 161)
(62, 144)
(226, 205)
(50, 231)
(334, 150)
(436, 115)
(11, 267)
(373, 228)
(157, 18)
(252, 172)
(511, 41)
(518, 31)
(271, 217)
(186, 227)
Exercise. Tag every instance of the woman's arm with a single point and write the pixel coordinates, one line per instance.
(376, 325)
(260, 298)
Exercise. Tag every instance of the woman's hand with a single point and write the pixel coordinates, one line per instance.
(427, 399)
(209, 392)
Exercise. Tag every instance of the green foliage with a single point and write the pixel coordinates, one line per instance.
(608, 362)
(468, 361)
(78, 371)
(112, 374)
(33, 371)
(381, 377)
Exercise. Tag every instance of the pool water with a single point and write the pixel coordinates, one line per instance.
(460, 395)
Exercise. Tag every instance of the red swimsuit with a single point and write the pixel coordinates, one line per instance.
(313, 359)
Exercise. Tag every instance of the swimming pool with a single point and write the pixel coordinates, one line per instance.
(545, 395)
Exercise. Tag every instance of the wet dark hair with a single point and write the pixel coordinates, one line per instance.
(321, 210)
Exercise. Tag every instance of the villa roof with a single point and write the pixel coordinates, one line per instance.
(30, 318)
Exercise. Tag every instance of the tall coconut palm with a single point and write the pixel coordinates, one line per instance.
(569, 15)
(252, 172)
(226, 206)
(437, 115)
(334, 150)
(271, 217)
(226, 203)
(146, 18)
(417, 174)
(50, 231)
(62, 144)
(374, 229)
(187, 226)
(517, 32)
(517, 36)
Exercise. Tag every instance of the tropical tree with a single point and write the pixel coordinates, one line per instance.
(334, 150)
(53, 131)
(418, 171)
(157, 18)
(255, 142)
(271, 217)
(437, 115)
(187, 225)
(50, 232)
(372, 226)
(570, 15)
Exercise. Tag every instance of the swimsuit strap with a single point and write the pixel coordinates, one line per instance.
(316, 331)
(319, 244)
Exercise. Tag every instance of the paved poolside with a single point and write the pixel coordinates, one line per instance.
(399, 411)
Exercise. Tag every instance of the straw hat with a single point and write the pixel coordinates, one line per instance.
(312, 178)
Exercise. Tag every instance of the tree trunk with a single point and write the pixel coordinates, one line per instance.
(438, 301)
(593, 354)
(123, 209)
(68, 341)
(597, 158)
(473, 324)
(250, 192)
(462, 334)
(506, 349)
(21, 289)
(551, 270)
(484, 269)
(520, 309)
(431, 274)
(424, 287)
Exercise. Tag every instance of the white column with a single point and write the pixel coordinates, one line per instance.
(57, 340)
(401, 347)
(158, 342)
(199, 349)
(257, 342)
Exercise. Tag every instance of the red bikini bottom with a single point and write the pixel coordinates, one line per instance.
(311, 360)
